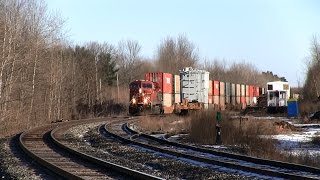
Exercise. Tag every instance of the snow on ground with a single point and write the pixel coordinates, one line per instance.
(298, 143)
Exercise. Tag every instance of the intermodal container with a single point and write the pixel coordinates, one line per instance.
(222, 88)
(243, 90)
(165, 80)
(216, 100)
(216, 88)
(233, 90)
(227, 89)
(176, 84)
(167, 99)
(238, 90)
(248, 100)
(210, 99)
(222, 102)
(194, 84)
(243, 102)
(237, 99)
(228, 99)
(247, 90)
(177, 98)
(210, 88)
(233, 100)
(250, 91)
(256, 91)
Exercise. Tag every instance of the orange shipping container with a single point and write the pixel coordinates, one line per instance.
(210, 88)
(216, 87)
(243, 102)
(165, 80)
(216, 100)
(222, 102)
(222, 88)
(209, 99)
(167, 99)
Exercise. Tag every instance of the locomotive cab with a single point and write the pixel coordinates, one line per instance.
(144, 97)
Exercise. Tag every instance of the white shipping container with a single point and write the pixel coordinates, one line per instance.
(194, 84)
(176, 84)
(177, 98)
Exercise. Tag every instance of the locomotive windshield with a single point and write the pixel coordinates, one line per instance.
(147, 86)
(134, 86)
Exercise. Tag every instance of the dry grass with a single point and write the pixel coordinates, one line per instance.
(171, 124)
(247, 136)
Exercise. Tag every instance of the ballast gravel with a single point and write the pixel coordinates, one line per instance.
(86, 138)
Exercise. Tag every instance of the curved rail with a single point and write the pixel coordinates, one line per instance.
(44, 145)
(221, 162)
(279, 164)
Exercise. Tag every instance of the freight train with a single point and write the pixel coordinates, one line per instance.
(190, 90)
(144, 97)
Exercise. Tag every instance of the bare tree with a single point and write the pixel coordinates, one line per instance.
(175, 54)
(128, 57)
(311, 88)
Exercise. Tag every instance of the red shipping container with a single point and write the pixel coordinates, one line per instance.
(215, 88)
(165, 80)
(257, 92)
(243, 100)
(250, 91)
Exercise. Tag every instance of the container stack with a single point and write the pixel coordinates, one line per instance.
(210, 95)
(243, 96)
(222, 99)
(165, 81)
(195, 85)
(216, 94)
(228, 93)
(238, 94)
(177, 89)
(233, 94)
(247, 95)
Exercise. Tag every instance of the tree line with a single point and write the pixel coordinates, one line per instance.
(44, 78)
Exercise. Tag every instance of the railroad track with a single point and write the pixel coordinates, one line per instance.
(234, 161)
(45, 145)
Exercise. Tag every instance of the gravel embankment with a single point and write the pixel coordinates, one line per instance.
(15, 165)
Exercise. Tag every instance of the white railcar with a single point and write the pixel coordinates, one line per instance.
(278, 93)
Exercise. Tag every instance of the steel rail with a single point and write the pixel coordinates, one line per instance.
(67, 162)
(275, 163)
(247, 168)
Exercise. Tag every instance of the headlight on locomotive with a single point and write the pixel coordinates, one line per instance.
(145, 100)
(134, 101)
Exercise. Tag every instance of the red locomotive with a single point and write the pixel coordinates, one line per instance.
(145, 97)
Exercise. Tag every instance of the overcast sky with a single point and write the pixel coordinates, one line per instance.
(274, 35)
